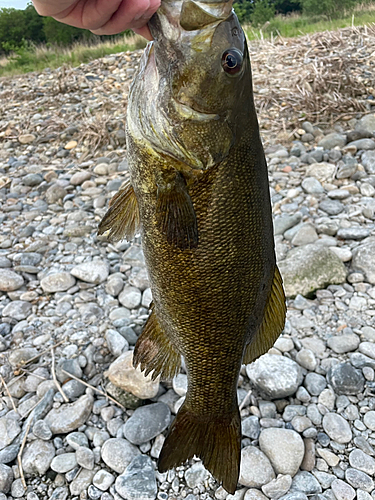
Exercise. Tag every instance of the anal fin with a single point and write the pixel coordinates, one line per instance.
(154, 351)
(175, 213)
(214, 439)
(273, 321)
(122, 219)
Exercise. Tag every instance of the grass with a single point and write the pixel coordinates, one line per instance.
(297, 25)
(38, 58)
(32, 58)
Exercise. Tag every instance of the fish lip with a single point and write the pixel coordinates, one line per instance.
(190, 113)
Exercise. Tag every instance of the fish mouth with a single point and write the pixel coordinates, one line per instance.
(188, 113)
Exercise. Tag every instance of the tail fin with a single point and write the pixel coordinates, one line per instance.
(216, 441)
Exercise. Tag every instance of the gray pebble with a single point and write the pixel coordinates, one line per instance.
(138, 480)
(147, 422)
(337, 428)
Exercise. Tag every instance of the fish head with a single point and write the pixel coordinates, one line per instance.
(195, 82)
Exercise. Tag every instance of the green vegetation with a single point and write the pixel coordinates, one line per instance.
(29, 42)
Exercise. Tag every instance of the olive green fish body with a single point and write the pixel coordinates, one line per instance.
(199, 189)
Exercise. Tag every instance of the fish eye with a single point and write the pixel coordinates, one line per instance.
(232, 61)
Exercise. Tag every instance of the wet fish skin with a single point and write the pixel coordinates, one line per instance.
(199, 187)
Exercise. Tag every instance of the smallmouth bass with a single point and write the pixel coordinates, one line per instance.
(199, 194)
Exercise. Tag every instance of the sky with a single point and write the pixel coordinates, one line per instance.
(17, 4)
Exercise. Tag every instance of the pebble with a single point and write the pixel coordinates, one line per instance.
(138, 480)
(196, 475)
(277, 376)
(251, 427)
(85, 457)
(278, 487)
(361, 461)
(117, 453)
(57, 282)
(147, 422)
(343, 343)
(95, 272)
(337, 428)
(70, 416)
(359, 479)
(6, 478)
(37, 457)
(64, 462)
(309, 268)
(9, 429)
(306, 483)
(342, 490)
(284, 448)
(256, 470)
(122, 374)
(345, 379)
(369, 420)
(10, 281)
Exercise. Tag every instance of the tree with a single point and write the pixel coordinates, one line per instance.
(12, 29)
(330, 8)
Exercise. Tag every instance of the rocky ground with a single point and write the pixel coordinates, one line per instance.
(76, 420)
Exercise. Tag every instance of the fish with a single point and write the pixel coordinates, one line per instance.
(199, 195)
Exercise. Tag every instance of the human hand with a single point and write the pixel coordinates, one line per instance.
(102, 17)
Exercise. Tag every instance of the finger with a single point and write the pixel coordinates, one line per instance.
(130, 15)
(145, 32)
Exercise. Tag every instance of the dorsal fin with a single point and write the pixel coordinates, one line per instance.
(193, 17)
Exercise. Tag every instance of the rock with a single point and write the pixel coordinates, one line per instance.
(308, 462)
(256, 470)
(57, 282)
(321, 171)
(26, 138)
(285, 222)
(345, 379)
(116, 342)
(368, 161)
(81, 482)
(305, 235)
(369, 420)
(331, 207)
(251, 427)
(306, 358)
(103, 480)
(6, 478)
(330, 141)
(342, 490)
(306, 483)
(130, 297)
(9, 430)
(353, 233)
(284, 448)
(79, 178)
(76, 440)
(337, 428)
(117, 453)
(277, 376)
(138, 482)
(180, 384)
(96, 271)
(10, 281)
(251, 494)
(64, 462)
(362, 144)
(341, 344)
(37, 457)
(361, 461)
(55, 193)
(147, 422)
(363, 260)
(69, 417)
(17, 309)
(367, 123)
(359, 479)
(309, 268)
(42, 431)
(85, 457)
(315, 383)
(312, 186)
(278, 487)
(122, 374)
(195, 475)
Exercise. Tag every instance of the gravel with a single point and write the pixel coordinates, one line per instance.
(309, 418)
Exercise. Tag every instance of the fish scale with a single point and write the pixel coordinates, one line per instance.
(199, 193)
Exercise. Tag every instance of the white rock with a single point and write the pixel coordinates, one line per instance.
(95, 271)
(256, 470)
(284, 448)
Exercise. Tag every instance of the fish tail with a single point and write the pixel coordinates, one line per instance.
(214, 439)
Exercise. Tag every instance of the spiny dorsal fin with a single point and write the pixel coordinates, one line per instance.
(175, 214)
(122, 219)
(194, 17)
(154, 351)
(273, 321)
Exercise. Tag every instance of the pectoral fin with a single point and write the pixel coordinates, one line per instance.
(122, 219)
(175, 213)
(273, 321)
(154, 351)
